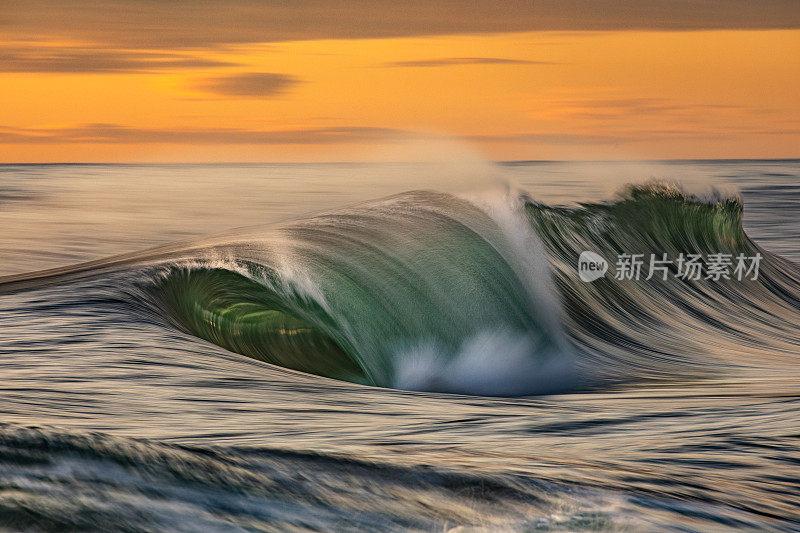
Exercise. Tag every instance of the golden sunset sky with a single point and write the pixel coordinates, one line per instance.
(126, 81)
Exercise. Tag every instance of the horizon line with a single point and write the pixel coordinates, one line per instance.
(501, 161)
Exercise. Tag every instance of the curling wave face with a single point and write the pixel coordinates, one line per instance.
(481, 295)
(419, 291)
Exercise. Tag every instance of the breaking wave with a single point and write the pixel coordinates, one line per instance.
(477, 295)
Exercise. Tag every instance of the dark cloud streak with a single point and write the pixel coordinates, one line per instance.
(249, 84)
(83, 60)
(454, 61)
(165, 24)
(623, 108)
(118, 134)
(570, 139)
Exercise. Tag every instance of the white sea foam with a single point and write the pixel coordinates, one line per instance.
(500, 362)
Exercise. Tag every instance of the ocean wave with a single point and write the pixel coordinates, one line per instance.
(476, 295)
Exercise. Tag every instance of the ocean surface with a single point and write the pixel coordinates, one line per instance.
(391, 347)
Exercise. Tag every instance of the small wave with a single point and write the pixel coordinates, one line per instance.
(96, 482)
(63, 481)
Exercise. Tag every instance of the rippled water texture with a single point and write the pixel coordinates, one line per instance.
(394, 347)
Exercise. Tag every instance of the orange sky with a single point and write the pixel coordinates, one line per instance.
(512, 95)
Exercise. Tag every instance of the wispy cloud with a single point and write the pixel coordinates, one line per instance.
(248, 84)
(119, 134)
(65, 59)
(102, 133)
(626, 111)
(570, 139)
(452, 61)
(625, 136)
(601, 108)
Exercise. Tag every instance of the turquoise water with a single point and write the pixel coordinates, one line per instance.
(394, 347)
